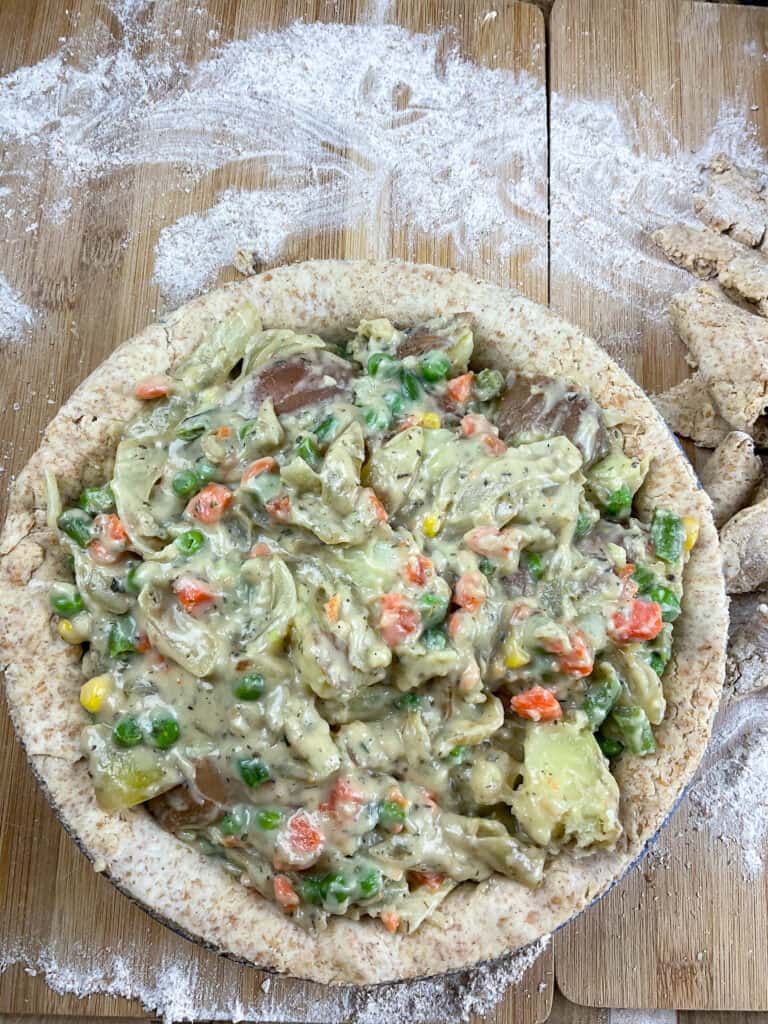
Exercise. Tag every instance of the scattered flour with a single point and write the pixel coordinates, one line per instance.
(609, 190)
(15, 315)
(172, 989)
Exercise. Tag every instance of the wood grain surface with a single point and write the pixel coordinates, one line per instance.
(684, 930)
(94, 291)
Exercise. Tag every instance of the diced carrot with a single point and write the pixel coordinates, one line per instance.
(625, 572)
(332, 606)
(142, 643)
(265, 465)
(398, 622)
(390, 920)
(378, 508)
(494, 444)
(344, 801)
(303, 836)
(469, 592)
(407, 423)
(640, 621)
(279, 508)
(475, 423)
(260, 550)
(210, 504)
(156, 386)
(417, 569)
(455, 622)
(102, 555)
(285, 894)
(519, 611)
(395, 795)
(194, 595)
(111, 526)
(431, 880)
(574, 656)
(223, 432)
(460, 388)
(537, 704)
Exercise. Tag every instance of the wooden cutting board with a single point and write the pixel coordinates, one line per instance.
(685, 930)
(94, 289)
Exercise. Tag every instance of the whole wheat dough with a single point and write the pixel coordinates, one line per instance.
(746, 278)
(729, 346)
(731, 475)
(744, 549)
(746, 668)
(701, 250)
(689, 411)
(186, 889)
(733, 202)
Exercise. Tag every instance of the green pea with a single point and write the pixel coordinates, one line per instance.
(377, 419)
(667, 535)
(409, 384)
(190, 542)
(533, 563)
(369, 883)
(435, 366)
(193, 427)
(127, 733)
(488, 384)
(269, 820)
(609, 746)
(486, 567)
(97, 499)
(184, 483)
(307, 449)
(434, 639)
(391, 816)
(336, 888)
(394, 401)
(458, 755)
(666, 599)
(205, 471)
(132, 581)
(634, 729)
(165, 731)
(311, 890)
(66, 600)
(234, 822)
(326, 430)
(409, 701)
(618, 504)
(122, 637)
(77, 525)
(657, 662)
(601, 695)
(253, 771)
(433, 609)
(381, 361)
(250, 687)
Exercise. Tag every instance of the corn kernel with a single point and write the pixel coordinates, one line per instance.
(430, 420)
(431, 526)
(514, 655)
(691, 526)
(76, 630)
(95, 692)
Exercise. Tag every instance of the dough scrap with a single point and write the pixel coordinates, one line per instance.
(746, 668)
(744, 550)
(746, 277)
(702, 251)
(729, 346)
(731, 475)
(688, 410)
(734, 202)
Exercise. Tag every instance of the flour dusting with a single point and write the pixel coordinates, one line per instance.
(15, 315)
(174, 990)
(610, 190)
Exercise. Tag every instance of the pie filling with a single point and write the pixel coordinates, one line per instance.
(363, 621)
